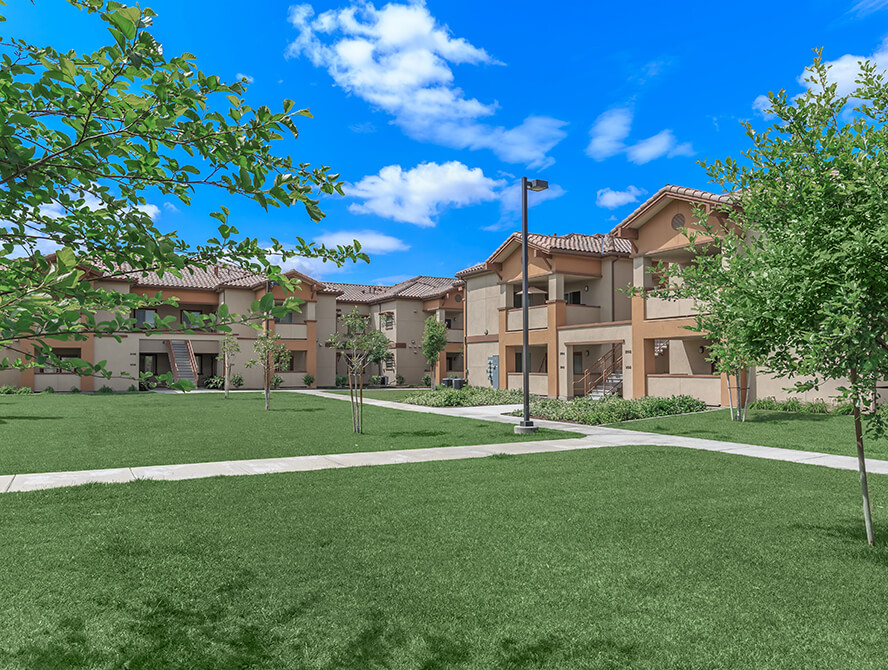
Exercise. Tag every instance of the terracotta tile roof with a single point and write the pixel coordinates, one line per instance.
(680, 192)
(211, 278)
(417, 288)
(572, 243)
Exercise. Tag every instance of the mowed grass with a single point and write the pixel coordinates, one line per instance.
(641, 557)
(54, 432)
(393, 395)
(829, 434)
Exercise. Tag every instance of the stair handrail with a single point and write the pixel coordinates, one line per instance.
(172, 355)
(192, 360)
(607, 369)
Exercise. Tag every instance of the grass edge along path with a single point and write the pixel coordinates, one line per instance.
(648, 558)
(54, 432)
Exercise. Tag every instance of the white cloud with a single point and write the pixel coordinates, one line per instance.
(398, 59)
(240, 76)
(865, 7)
(372, 242)
(420, 194)
(609, 133)
(363, 128)
(510, 204)
(170, 207)
(611, 199)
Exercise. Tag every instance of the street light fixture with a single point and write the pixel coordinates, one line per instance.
(526, 425)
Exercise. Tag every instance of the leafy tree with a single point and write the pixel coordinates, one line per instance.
(799, 283)
(434, 340)
(228, 348)
(360, 345)
(86, 140)
(271, 355)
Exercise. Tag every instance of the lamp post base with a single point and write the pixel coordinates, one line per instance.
(525, 428)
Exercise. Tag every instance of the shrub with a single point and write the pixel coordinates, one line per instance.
(276, 381)
(214, 382)
(341, 381)
(24, 390)
(769, 403)
(470, 396)
(105, 390)
(375, 380)
(237, 381)
(611, 409)
(427, 379)
(48, 389)
(799, 406)
(399, 380)
(132, 389)
(7, 389)
(308, 380)
(844, 408)
(75, 389)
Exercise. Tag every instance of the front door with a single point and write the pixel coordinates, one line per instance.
(493, 371)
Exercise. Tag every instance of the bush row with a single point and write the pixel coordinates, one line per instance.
(611, 409)
(801, 406)
(469, 396)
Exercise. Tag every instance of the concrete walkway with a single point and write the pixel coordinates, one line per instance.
(592, 437)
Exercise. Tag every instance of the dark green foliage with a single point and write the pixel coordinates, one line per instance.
(132, 389)
(308, 380)
(23, 390)
(795, 405)
(641, 558)
(612, 409)
(7, 389)
(399, 380)
(276, 381)
(237, 380)
(215, 382)
(341, 380)
(105, 390)
(75, 389)
(469, 396)
(47, 433)
(48, 389)
(427, 379)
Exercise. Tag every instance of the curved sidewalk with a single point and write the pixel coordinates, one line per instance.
(594, 437)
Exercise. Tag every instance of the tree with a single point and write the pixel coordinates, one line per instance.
(360, 345)
(434, 339)
(228, 348)
(86, 141)
(271, 355)
(801, 282)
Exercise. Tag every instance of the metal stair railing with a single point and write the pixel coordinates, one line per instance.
(611, 362)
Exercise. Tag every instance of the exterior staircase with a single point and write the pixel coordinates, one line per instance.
(604, 378)
(182, 361)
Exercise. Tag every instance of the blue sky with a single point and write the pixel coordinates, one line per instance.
(431, 111)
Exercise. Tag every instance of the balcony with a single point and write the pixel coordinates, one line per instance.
(291, 331)
(705, 387)
(579, 315)
(657, 308)
(455, 334)
(537, 318)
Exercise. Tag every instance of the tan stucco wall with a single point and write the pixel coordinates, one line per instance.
(476, 361)
(484, 297)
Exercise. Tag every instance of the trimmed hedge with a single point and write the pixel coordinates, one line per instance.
(469, 396)
(797, 406)
(611, 409)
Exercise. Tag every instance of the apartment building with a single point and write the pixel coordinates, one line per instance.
(579, 319)
(400, 311)
(587, 335)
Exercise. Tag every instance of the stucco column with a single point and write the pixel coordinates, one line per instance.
(556, 286)
(556, 317)
(503, 360)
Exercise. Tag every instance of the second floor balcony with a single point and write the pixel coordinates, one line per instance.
(538, 317)
(657, 308)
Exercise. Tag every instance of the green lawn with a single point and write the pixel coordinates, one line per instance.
(809, 432)
(643, 557)
(54, 432)
(394, 395)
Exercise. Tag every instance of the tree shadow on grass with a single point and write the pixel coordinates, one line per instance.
(851, 534)
(779, 417)
(298, 409)
(416, 433)
(10, 419)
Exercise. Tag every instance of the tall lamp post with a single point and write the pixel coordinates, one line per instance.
(526, 425)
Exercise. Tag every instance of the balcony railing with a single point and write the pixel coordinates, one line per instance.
(537, 318)
(657, 308)
(291, 331)
(578, 315)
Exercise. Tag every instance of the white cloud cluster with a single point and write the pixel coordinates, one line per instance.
(419, 194)
(611, 199)
(240, 76)
(399, 59)
(372, 242)
(609, 133)
(865, 7)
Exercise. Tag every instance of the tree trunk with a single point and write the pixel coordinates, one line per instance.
(861, 463)
(361, 405)
(730, 398)
(227, 369)
(267, 391)
(351, 400)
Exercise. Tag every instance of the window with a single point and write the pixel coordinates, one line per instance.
(516, 299)
(64, 355)
(145, 317)
(448, 324)
(519, 360)
(296, 364)
(388, 320)
(578, 362)
(187, 320)
(390, 362)
(289, 317)
(573, 298)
